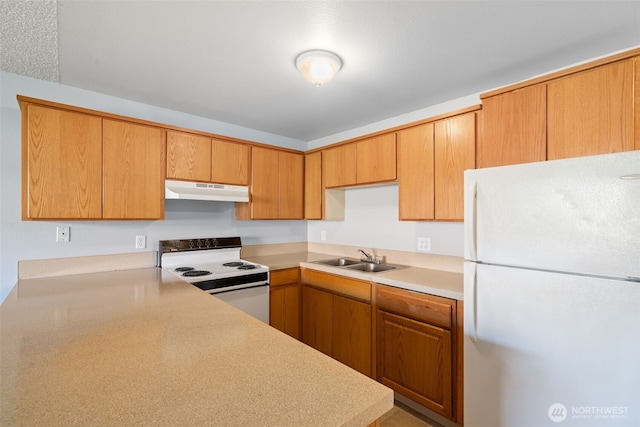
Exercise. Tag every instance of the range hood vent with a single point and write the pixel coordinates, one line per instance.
(205, 191)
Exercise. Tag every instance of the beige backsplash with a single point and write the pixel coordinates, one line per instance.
(32, 269)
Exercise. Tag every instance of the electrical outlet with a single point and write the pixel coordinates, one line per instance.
(323, 235)
(424, 244)
(141, 241)
(62, 234)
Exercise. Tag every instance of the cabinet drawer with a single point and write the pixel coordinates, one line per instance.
(283, 277)
(426, 308)
(357, 289)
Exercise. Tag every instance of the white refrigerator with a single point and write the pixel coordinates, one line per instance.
(552, 293)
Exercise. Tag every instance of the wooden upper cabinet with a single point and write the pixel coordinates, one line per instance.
(592, 112)
(376, 159)
(454, 147)
(313, 185)
(229, 162)
(515, 128)
(264, 183)
(290, 185)
(416, 173)
(339, 166)
(61, 164)
(188, 157)
(192, 157)
(134, 166)
(276, 186)
(636, 97)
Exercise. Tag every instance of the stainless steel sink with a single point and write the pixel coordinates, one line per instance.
(371, 268)
(339, 262)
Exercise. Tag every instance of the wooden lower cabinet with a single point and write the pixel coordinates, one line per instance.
(284, 301)
(416, 348)
(337, 318)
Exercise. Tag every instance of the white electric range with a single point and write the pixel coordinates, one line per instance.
(214, 265)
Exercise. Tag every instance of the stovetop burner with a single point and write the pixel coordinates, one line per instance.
(181, 269)
(247, 267)
(233, 264)
(196, 273)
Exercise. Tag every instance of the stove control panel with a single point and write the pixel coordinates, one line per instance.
(184, 245)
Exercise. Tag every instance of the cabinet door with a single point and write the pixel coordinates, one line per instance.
(352, 333)
(376, 159)
(264, 183)
(134, 165)
(515, 128)
(591, 112)
(313, 186)
(317, 319)
(455, 148)
(339, 166)
(416, 173)
(62, 165)
(188, 156)
(229, 162)
(285, 309)
(414, 358)
(290, 185)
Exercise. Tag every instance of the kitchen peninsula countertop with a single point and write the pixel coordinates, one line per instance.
(429, 281)
(137, 347)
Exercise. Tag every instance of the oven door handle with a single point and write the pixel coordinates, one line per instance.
(233, 288)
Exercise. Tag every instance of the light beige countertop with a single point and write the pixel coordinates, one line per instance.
(137, 347)
(429, 281)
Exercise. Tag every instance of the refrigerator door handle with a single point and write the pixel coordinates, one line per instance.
(474, 306)
(471, 300)
(470, 224)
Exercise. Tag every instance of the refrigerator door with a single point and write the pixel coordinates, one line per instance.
(573, 215)
(544, 347)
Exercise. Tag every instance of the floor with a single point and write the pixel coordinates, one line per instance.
(403, 416)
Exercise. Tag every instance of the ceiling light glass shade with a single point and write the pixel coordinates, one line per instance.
(318, 66)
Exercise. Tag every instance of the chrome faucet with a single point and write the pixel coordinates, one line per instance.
(367, 257)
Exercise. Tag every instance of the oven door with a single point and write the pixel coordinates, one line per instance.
(252, 300)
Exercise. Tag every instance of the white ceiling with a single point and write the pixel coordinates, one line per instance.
(233, 61)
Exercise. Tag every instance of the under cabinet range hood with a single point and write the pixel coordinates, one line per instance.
(186, 190)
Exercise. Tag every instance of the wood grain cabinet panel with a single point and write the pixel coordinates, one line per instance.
(419, 348)
(188, 157)
(515, 128)
(339, 166)
(134, 170)
(352, 333)
(317, 319)
(285, 301)
(313, 185)
(414, 358)
(264, 183)
(334, 321)
(290, 185)
(62, 164)
(376, 159)
(455, 145)
(592, 112)
(229, 162)
(277, 187)
(416, 173)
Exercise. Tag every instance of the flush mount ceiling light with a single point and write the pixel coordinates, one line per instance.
(318, 66)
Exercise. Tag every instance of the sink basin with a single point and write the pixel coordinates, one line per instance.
(372, 268)
(339, 262)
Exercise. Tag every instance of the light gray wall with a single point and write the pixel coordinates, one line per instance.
(26, 240)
